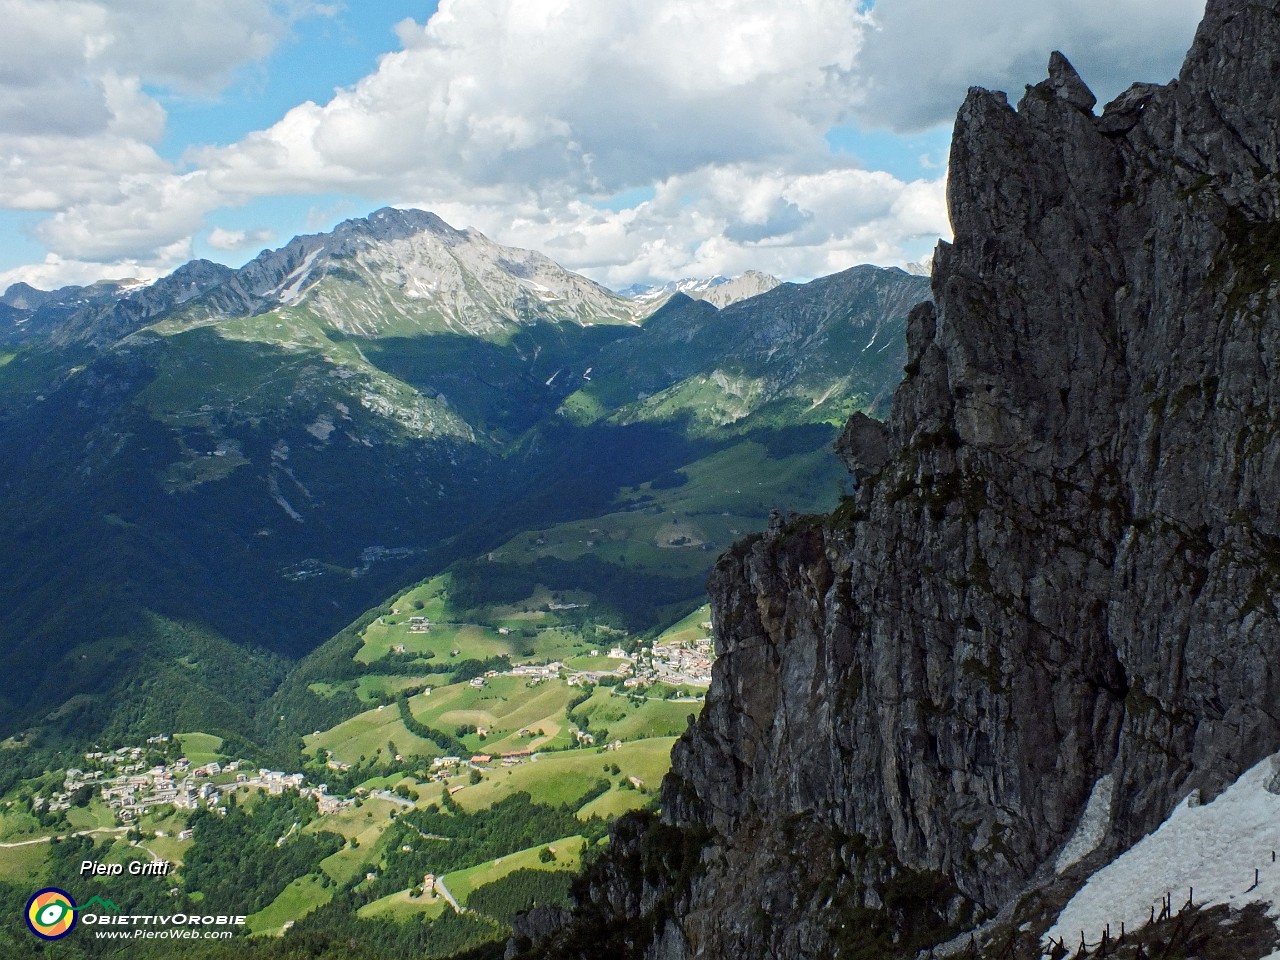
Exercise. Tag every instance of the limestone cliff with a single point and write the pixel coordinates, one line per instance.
(1060, 563)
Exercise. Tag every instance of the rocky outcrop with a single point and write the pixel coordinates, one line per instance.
(1060, 563)
(863, 446)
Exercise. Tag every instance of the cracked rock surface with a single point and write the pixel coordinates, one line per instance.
(1062, 559)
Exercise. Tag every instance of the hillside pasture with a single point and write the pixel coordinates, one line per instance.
(295, 901)
(367, 735)
(555, 778)
(567, 852)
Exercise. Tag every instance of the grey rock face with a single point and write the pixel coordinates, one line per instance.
(863, 446)
(1066, 567)
(98, 315)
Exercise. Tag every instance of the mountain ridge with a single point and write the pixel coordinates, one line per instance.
(202, 431)
(718, 290)
(102, 313)
(1057, 567)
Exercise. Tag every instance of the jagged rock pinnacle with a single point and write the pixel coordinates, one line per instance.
(1066, 83)
(1060, 568)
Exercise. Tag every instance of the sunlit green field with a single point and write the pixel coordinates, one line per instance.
(366, 826)
(24, 864)
(556, 778)
(201, 748)
(401, 906)
(567, 853)
(96, 814)
(370, 734)
(296, 900)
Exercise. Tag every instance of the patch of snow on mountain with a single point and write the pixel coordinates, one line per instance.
(132, 286)
(1093, 825)
(291, 287)
(1211, 849)
(720, 291)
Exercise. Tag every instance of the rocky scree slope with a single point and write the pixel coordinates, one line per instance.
(1060, 564)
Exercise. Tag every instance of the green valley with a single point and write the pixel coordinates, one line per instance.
(376, 568)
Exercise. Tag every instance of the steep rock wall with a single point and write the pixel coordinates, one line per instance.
(1061, 561)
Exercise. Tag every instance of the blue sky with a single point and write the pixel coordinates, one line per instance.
(319, 55)
(634, 140)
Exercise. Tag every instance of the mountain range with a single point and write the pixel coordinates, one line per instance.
(227, 464)
(720, 291)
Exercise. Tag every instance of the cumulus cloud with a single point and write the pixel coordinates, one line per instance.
(725, 219)
(221, 239)
(522, 116)
(568, 94)
(77, 127)
(146, 212)
(57, 271)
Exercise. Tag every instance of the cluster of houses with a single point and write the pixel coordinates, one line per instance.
(130, 787)
(685, 663)
(594, 676)
(538, 672)
(549, 671)
(327, 803)
(442, 768)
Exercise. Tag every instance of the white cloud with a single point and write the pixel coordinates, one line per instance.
(77, 128)
(512, 114)
(567, 94)
(195, 46)
(221, 239)
(55, 271)
(146, 212)
(922, 55)
(725, 219)
(56, 173)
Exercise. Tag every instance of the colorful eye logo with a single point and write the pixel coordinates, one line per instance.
(51, 914)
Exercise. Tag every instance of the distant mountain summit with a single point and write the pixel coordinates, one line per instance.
(719, 291)
(393, 272)
(422, 275)
(794, 353)
(922, 268)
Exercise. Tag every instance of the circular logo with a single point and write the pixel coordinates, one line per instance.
(51, 913)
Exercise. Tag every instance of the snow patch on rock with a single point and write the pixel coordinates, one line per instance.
(1093, 825)
(1212, 850)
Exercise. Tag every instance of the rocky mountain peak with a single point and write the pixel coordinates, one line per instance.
(719, 291)
(1067, 85)
(1056, 573)
(395, 223)
(23, 296)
